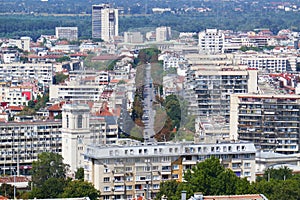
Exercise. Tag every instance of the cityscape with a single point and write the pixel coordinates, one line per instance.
(105, 110)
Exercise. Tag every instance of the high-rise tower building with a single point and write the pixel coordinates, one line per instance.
(104, 22)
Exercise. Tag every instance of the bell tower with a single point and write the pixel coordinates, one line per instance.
(75, 134)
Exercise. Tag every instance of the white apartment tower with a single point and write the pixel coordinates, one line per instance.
(211, 41)
(163, 33)
(104, 22)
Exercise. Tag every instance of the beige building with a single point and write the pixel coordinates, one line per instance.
(131, 170)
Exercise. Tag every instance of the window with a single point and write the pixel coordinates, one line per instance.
(106, 189)
(175, 167)
(106, 170)
(67, 120)
(106, 179)
(79, 121)
(175, 176)
(247, 174)
(247, 165)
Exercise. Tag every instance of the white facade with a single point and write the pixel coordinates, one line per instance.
(269, 63)
(23, 141)
(15, 97)
(163, 33)
(105, 22)
(211, 41)
(22, 43)
(43, 72)
(75, 91)
(133, 37)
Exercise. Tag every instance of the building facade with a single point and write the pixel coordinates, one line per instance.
(133, 37)
(69, 33)
(79, 129)
(271, 122)
(130, 171)
(208, 90)
(211, 41)
(43, 72)
(163, 33)
(105, 22)
(21, 142)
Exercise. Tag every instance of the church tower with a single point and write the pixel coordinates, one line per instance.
(75, 134)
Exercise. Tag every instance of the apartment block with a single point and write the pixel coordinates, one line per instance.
(129, 171)
(43, 72)
(211, 41)
(21, 142)
(208, 89)
(133, 37)
(75, 90)
(69, 33)
(271, 122)
(22, 43)
(163, 33)
(271, 63)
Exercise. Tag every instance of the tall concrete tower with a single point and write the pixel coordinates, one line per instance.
(75, 134)
(105, 23)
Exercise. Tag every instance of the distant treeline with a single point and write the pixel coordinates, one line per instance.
(33, 26)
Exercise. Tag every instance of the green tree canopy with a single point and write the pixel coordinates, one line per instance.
(79, 174)
(48, 165)
(78, 188)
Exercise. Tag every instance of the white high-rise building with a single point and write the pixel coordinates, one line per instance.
(211, 41)
(163, 33)
(104, 22)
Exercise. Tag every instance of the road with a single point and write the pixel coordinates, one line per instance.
(149, 113)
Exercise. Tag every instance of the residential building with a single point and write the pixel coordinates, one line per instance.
(22, 43)
(211, 41)
(270, 63)
(43, 72)
(17, 96)
(104, 22)
(163, 33)
(21, 142)
(208, 89)
(69, 33)
(129, 170)
(270, 121)
(75, 90)
(133, 37)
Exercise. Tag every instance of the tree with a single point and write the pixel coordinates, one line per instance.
(78, 188)
(60, 77)
(169, 189)
(51, 188)
(211, 178)
(79, 174)
(48, 165)
(7, 190)
(282, 173)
